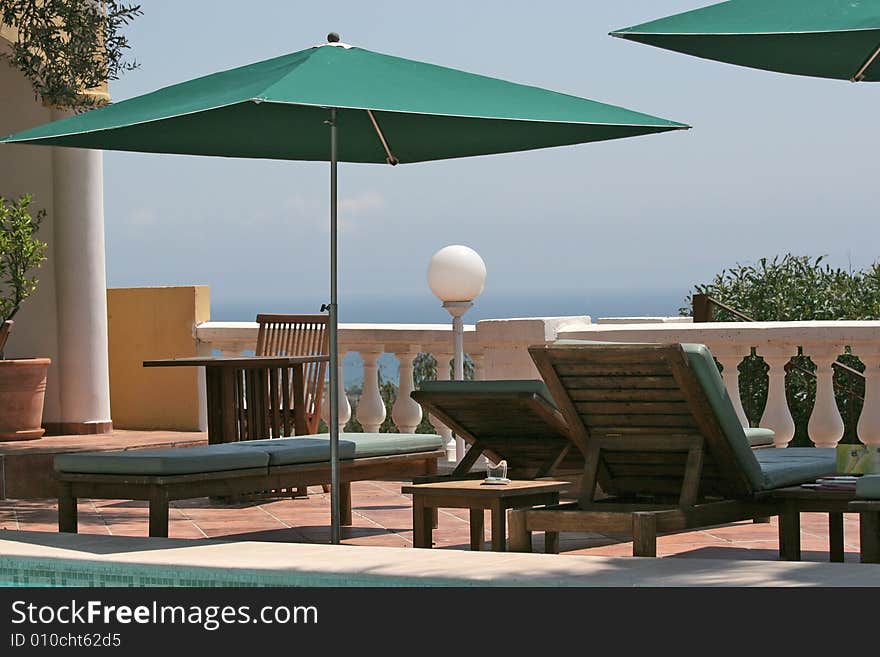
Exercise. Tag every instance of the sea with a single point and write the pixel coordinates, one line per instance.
(427, 310)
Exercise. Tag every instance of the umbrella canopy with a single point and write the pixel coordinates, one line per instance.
(336, 103)
(278, 108)
(837, 39)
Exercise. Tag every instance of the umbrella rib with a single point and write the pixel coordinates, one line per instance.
(389, 156)
(858, 77)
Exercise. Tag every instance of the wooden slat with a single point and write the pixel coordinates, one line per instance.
(627, 395)
(594, 368)
(619, 383)
(646, 421)
(634, 407)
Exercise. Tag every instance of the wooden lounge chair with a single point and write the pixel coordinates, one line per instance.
(164, 475)
(517, 421)
(660, 438)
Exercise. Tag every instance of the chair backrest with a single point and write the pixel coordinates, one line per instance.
(298, 335)
(644, 403)
(512, 420)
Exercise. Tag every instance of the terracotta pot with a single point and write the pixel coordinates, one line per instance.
(22, 389)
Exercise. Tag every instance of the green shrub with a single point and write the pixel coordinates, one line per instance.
(796, 288)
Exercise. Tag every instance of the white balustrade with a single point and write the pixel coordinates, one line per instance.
(730, 358)
(370, 410)
(406, 412)
(443, 374)
(499, 349)
(344, 406)
(869, 422)
(777, 415)
(826, 426)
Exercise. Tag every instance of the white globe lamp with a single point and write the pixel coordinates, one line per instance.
(456, 276)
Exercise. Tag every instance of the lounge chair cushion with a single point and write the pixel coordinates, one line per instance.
(759, 437)
(489, 387)
(765, 468)
(158, 462)
(316, 448)
(795, 465)
(868, 486)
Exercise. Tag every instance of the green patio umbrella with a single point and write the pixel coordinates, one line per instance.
(334, 103)
(837, 39)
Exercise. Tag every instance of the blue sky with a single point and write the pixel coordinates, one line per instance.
(774, 164)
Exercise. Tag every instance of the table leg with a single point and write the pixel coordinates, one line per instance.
(520, 536)
(835, 537)
(477, 529)
(790, 534)
(67, 518)
(869, 535)
(421, 523)
(499, 526)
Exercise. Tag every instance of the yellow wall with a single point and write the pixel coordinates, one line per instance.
(147, 323)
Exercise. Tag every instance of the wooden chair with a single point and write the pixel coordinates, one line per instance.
(296, 335)
(659, 436)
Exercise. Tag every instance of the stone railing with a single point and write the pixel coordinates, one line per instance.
(776, 343)
(496, 347)
(499, 350)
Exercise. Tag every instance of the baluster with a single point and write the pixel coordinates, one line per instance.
(371, 409)
(826, 427)
(777, 415)
(479, 358)
(869, 422)
(444, 431)
(344, 406)
(406, 412)
(730, 358)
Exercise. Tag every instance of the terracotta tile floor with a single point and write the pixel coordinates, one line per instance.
(383, 517)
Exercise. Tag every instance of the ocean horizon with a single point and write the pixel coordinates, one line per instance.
(426, 309)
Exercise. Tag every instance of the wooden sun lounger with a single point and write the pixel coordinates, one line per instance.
(663, 448)
(159, 490)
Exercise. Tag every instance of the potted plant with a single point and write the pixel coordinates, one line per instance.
(23, 380)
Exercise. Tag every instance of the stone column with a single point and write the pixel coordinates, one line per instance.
(81, 287)
(730, 358)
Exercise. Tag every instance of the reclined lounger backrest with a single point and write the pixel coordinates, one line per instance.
(517, 421)
(623, 391)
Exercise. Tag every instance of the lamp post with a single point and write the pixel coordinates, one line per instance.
(456, 275)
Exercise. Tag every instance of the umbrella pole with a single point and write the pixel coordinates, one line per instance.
(334, 347)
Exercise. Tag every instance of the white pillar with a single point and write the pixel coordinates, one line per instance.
(81, 284)
(371, 408)
(444, 431)
(730, 358)
(344, 406)
(406, 412)
(869, 421)
(826, 427)
(777, 415)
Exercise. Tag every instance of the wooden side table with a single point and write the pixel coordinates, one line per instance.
(797, 499)
(473, 494)
(869, 528)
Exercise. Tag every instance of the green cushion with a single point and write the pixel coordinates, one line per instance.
(868, 486)
(489, 387)
(759, 437)
(704, 368)
(157, 462)
(315, 448)
(794, 465)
